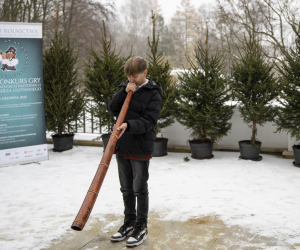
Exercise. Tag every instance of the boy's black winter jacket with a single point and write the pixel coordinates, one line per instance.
(141, 116)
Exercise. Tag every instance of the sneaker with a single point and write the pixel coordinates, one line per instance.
(123, 232)
(139, 235)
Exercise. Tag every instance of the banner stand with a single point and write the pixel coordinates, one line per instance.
(22, 111)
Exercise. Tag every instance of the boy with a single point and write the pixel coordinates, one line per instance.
(134, 147)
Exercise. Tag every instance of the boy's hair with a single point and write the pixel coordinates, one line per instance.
(135, 65)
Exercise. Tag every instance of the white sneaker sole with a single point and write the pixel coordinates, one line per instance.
(137, 243)
(117, 239)
(120, 239)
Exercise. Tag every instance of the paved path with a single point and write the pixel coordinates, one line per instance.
(198, 233)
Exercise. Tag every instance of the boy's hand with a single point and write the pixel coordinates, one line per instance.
(123, 127)
(130, 87)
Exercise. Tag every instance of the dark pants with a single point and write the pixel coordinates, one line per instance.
(133, 176)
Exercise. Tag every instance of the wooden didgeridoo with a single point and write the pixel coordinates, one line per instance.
(91, 196)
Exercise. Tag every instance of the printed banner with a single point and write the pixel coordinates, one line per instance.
(22, 112)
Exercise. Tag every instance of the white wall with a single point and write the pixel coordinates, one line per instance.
(178, 135)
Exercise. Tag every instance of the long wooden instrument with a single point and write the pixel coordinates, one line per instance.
(91, 196)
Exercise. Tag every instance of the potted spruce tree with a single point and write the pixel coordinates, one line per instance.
(255, 87)
(159, 71)
(288, 118)
(64, 101)
(200, 99)
(104, 71)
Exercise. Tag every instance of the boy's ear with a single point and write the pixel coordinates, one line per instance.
(145, 72)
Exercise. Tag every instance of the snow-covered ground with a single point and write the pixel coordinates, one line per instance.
(40, 202)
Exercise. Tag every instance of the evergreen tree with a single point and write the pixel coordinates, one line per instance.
(159, 71)
(254, 85)
(64, 101)
(201, 96)
(289, 112)
(104, 71)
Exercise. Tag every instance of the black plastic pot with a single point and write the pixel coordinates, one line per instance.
(201, 150)
(296, 149)
(63, 142)
(160, 147)
(248, 151)
(105, 139)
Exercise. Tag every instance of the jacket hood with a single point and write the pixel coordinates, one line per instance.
(150, 85)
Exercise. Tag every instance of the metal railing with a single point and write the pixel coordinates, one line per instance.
(90, 122)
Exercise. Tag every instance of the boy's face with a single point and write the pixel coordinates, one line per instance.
(138, 79)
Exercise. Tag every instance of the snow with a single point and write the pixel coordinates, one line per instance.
(40, 202)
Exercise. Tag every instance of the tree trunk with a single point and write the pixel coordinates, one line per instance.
(254, 130)
(45, 11)
(71, 14)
